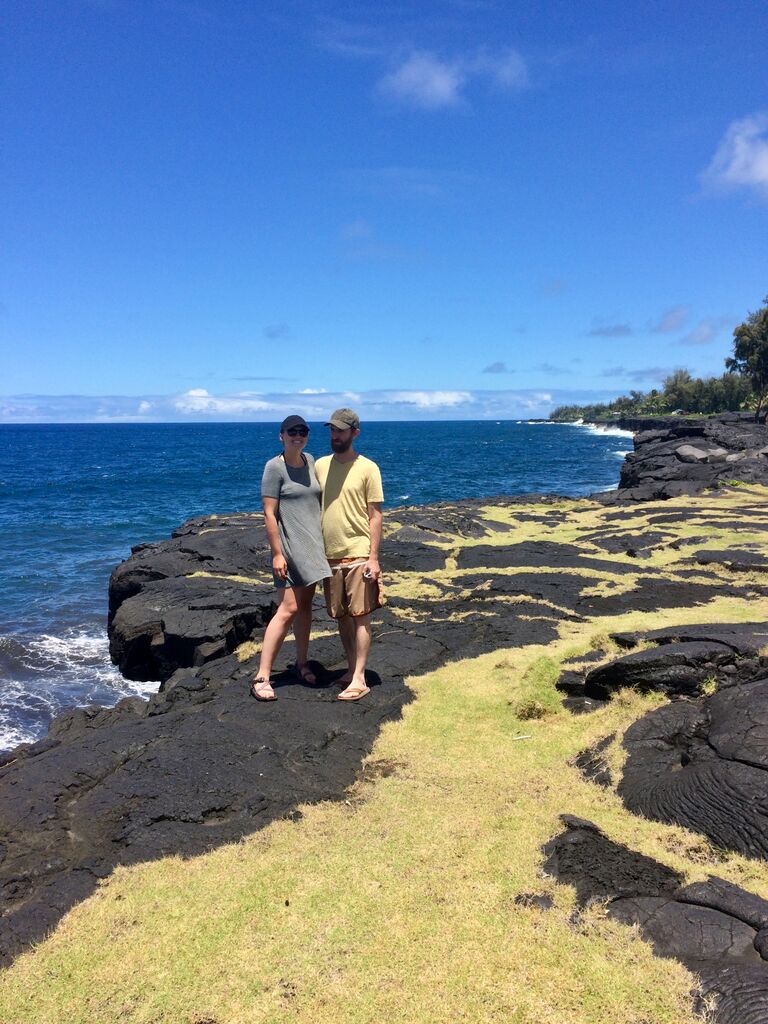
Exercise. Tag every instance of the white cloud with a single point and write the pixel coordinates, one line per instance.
(741, 160)
(429, 399)
(424, 81)
(428, 82)
(198, 405)
(506, 70)
(313, 391)
(198, 400)
(144, 407)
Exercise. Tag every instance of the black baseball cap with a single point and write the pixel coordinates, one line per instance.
(293, 421)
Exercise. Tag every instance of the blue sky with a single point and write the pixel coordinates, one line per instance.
(438, 209)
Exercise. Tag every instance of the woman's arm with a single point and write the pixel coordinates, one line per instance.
(279, 563)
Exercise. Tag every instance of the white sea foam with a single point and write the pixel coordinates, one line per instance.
(78, 652)
(84, 656)
(55, 672)
(606, 431)
(11, 735)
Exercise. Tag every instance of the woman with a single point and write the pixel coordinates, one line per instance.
(291, 498)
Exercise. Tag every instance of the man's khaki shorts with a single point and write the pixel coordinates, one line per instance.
(348, 592)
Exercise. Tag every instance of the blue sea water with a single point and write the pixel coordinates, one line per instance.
(75, 497)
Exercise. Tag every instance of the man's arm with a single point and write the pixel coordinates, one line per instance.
(372, 566)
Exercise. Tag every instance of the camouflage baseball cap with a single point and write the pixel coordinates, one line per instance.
(344, 419)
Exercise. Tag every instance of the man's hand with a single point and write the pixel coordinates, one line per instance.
(280, 566)
(372, 569)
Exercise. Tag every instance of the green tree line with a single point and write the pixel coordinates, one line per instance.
(744, 385)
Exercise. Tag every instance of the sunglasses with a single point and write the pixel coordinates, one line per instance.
(297, 431)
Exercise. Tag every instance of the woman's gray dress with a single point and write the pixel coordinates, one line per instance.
(298, 520)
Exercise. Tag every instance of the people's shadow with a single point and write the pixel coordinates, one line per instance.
(325, 678)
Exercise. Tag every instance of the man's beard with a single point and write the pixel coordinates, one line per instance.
(339, 446)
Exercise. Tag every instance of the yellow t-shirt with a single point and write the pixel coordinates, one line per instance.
(348, 489)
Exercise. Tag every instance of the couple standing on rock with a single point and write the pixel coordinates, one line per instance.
(323, 522)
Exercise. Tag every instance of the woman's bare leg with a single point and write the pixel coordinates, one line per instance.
(276, 630)
(302, 624)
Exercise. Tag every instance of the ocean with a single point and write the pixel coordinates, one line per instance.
(74, 498)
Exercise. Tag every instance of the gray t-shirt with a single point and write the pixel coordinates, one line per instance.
(298, 519)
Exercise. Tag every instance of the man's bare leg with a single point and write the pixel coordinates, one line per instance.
(360, 628)
(347, 634)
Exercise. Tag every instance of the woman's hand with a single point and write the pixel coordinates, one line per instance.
(280, 566)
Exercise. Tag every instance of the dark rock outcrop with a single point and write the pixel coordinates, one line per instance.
(676, 456)
(715, 928)
(701, 763)
(704, 765)
(679, 668)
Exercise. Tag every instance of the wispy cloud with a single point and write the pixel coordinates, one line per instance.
(601, 329)
(671, 320)
(359, 242)
(351, 39)
(708, 330)
(741, 160)
(506, 69)
(497, 368)
(425, 81)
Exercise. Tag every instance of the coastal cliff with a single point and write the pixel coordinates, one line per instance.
(550, 607)
(676, 455)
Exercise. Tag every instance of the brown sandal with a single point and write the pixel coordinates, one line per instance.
(258, 689)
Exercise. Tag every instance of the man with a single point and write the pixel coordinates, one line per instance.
(351, 519)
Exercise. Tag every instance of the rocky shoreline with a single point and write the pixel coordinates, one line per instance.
(200, 764)
(675, 456)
